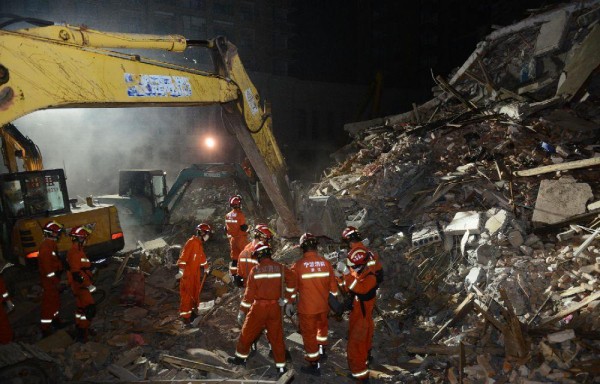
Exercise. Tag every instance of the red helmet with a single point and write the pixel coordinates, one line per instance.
(53, 229)
(261, 231)
(235, 201)
(357, 256)
(261, 249)
(203, 229)
(80, 233)
(308, 240)
(351, 234)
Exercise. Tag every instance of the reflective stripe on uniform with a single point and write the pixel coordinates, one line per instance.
(365, 372)
(85, 260)
(267, 275)
(322, 338)
(230, 221)
(5, 294)
(280, 365)
(371, 262)
(55, 313)
(294, 296)
(245, 260)
(185, 313)
(312, 355)
(203, 264)
(240, 355)
(82, 317)
(51, 274)
(77, 316)
(245, 305)
(334, 293)
(46, 321)
(353, 284)
(290, 289)
(315, 274)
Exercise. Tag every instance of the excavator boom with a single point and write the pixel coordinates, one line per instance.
(62, 66)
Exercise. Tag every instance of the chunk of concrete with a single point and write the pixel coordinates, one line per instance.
(463, 222)
(515, 239)
(475, 275)
(559, 337)
(551, 34)
(486, 253)
(593, 206)
(557, 201)
(497, 222)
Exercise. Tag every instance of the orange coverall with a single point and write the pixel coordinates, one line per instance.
(6, 332)
(261, 303)
(360, 328)
(237, 238)
(80, 265)
(315, 281)
(246, 262)
(50, 268)
(193, 262)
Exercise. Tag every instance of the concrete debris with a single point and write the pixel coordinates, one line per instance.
(482, 204)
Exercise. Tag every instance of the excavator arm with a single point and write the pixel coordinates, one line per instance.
(62, 66)
(15, 145)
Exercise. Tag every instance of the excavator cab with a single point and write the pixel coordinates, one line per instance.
(144, 184)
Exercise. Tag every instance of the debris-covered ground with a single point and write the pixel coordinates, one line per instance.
(483, 203)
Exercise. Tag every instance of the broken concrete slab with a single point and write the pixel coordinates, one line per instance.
(463, 222)
(559, 337)
(552, 34)
(593, 206)
(557, 201)
(582, 61)
(497, 222)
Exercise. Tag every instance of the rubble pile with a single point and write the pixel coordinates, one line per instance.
(484, 206)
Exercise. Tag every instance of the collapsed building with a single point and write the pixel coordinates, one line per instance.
(484, 206)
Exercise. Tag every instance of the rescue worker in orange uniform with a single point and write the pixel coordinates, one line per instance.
(269, 289)
(317, 291)
(6, 305)
(246, 262)
(50, 267)
(235, 222)
(80, 277)
(360, 281)
(192, 267)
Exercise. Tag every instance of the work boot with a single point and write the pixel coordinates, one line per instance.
(235, 360)
(313, 368)
(365, 380)
(81, 335)
(253, 348)
(46, 332)
(369, 358)
(281, 371)
(322, 353)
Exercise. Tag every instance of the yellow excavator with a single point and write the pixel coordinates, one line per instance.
(65, 66)
(30, 196)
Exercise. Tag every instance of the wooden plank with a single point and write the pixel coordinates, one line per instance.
(514, 326)
(286, 377)
(460, 312)
(181, 362)
(594, 161)
(489, 317)
(567, 311)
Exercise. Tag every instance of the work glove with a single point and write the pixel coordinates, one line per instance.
(179, 274)
(9, 306)
(289, 310)
(342, 268)
(240, 318)
(91, 288)
(282, 302)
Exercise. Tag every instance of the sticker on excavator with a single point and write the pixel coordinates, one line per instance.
(157, 86)
(251, 102)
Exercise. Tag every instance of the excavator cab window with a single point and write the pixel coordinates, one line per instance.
(34, 194)
(159, 188)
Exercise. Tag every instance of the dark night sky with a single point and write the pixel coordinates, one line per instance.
(348, 41)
